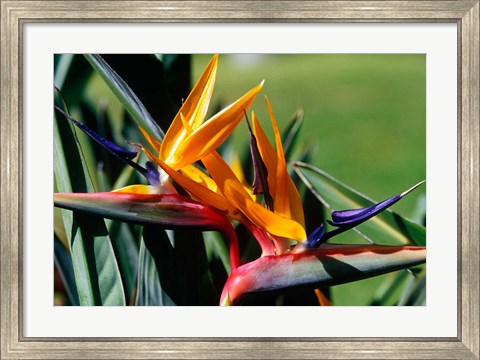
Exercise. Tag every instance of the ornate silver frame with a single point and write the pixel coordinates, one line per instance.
(465, 14)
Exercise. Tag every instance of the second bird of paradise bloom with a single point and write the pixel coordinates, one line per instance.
(277, 223)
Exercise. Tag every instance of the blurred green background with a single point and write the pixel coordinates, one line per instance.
(364, 114)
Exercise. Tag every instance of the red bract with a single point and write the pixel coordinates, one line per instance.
(326, 266)
(167, 210)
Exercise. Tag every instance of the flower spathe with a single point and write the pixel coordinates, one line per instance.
(141, 205)
(317, 267)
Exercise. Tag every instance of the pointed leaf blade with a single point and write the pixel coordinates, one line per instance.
(155, 271)
(125, 246)
(127, 97)
(290, 133)
(63, 262)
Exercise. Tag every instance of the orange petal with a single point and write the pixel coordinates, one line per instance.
(269, 221)
(151, 140)
(322, 299)
(200, 177)
(296, 206)
(281, 196)
(236, 166)
(194, 109)
(234, 192)
(287, 199)
(213, 132)
(198, 189)
(138, 189)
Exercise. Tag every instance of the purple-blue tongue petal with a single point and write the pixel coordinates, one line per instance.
(150, 173)
(347, 217)
(315, 237)
(153, 176)
(108, 145)
(353, 217)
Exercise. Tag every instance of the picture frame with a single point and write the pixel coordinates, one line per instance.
(15, 14)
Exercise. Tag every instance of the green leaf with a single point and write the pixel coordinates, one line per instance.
(388, 288)
(290, 133)
(63, 262)
(387, 227)
(161, 87)
(125, 177)
(125, 246)
(415, 293)
(156, 271)
(58, 228)
(127, 97)
(96, 272)
(173, 269)
(215, 248)
(420, 213)
(71, 75)
(62, 68)
(193, 273)
(177, 76)
(329, 265)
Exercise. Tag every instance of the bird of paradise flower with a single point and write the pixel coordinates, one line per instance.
(214, 196)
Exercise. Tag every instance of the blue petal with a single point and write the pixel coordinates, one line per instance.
(117, 151)
(353, 217)
(153, 176)
(356, 216)
(315, 237)
(108, 145)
